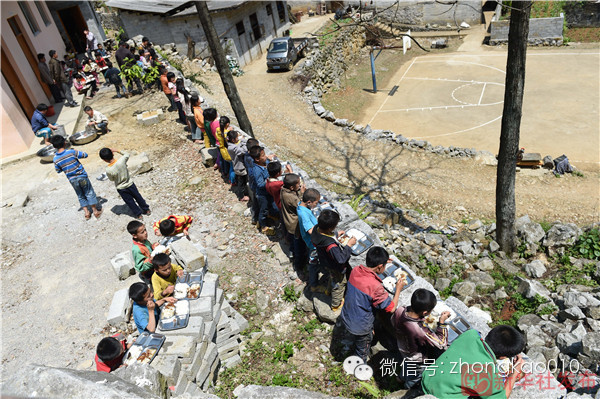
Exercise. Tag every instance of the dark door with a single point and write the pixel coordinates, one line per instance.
(255, 27)
(74, 25)
(13, 80)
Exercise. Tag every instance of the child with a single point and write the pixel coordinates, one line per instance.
(141, 250)
(274, 184)
(416, 342)
(109, 353)
(117, 172)
(176, 100)
(68, 161)
(365, 294)
(236, 150)
(210, 116)
(333, 256)
(306, 222)
(222, 130)
(198, 133)
(40, 125)
(249, 165)
(112, 75)
(146, 310)
(184, 98)
(165, 275)
(85, 86)
(96, 119)
(291, 195)
(259, 175)
(477, 359)
(101, 62)
(173, 225)
(89, 68)
(164, 82)
(101, 51)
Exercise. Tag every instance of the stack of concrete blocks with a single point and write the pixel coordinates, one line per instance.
(188, 255)
(150, 117)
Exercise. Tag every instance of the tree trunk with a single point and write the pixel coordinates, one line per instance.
(222, 66)
(511, 123)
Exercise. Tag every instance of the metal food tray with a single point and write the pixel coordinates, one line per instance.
(174, 323)
(321, 207)
(148, 340)
(457, 326)
(363, 241)
(389, 272)
(196, 277)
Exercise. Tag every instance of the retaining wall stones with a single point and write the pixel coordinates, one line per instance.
(542, 31)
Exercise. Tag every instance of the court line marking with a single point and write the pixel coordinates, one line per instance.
(455, 80)
(482, 91)
(440, 107)
(461, 131)
(505, 54)
(466, 62)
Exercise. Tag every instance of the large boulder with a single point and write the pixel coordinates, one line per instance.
(591, 345)
(139, 164)
(144, 376)
(530, 232)
(49, 382)
(560, 236)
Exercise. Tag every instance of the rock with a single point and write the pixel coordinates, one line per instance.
(481, 279)
(530, 232)
(508, 266)
(481, 313)
(568, 343)
(474, 225)
(473, 319)
(536, 337)
(209, 156)
(528, 320)
(484, 264)
(591, 345)
(442, 283)
(319, 109)
(530, 288)
(494, 246)
(464, 289)
(341, 122)
(579, 330)
(322, 308)
(276, 392)
(581, 300)
(262, 300)
(535, 269)
(573, 313)
(304, 304)
(486, 158)
(562, 235)
(139, 164)
(49, 382)
(144, 376)
(499, 294)
(329, 116)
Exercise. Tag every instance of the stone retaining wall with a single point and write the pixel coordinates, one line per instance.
(542, 31)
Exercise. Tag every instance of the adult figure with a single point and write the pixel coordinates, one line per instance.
(59, 78)
(91, 43)
(147, 46)
(125, 59)
(46, 78)
(40, 125)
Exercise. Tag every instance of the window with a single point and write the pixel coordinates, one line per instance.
(43, 13)
(281, 11)
(29, 17)
(269, 9)
(256, 32)
(240, 28)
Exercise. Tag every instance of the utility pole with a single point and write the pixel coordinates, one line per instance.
(222, 66)
(511, 124)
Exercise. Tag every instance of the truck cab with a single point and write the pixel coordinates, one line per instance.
(284, 51)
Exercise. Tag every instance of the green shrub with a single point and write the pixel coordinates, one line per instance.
(588, 245)
(289, 294)
(283, 352)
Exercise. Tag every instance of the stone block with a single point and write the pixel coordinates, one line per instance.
(181, 384)
(197, 360)
(209, 290)
(120, 308)
(229, 350)
(219, 297)
(227, 340)
(212, 376)
(154, 381)
(202, 307)
(150, 117)
(187, 255)
(227, 309)
(168, 366)
(241, 321)
(207, 361)
(195, 329)
(192, 389)
(123, 265)
(182, 346)
(210, 329)
(231, 362)
(216, 314)
(209, 156)
(347, 214)
(139, 164)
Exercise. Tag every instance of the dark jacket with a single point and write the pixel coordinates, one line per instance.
(289, 204)
(56, 71)
(331, 253)
(123, 53)
(112, 75)
(45, 73)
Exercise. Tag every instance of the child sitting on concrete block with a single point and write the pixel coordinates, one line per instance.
(173, 225)
(109, 353)
(165, 275)
(141, 250)
(146, 310)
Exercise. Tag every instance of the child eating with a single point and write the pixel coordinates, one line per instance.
(146, 310)
(165, 275)
(109, 353)
(141, 250)
(173, 225)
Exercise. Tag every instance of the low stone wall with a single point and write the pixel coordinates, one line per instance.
(542, 31)
(582, 14)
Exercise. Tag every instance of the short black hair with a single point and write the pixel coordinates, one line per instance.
(122, 43)
(291, 179)
(170, 75)
(251, 143)
(141, 51)
(97, 54)
(108, 349)
(255, 151)
(422, 300)
(311, 194)
(274, 168)
(41, 56)
(166, 227)
(145, 39)
(377, 256)
(106, 154)
(137, 291)
(505, 341)
(87, 108)
(210, 114)
(109, 64)
(41, 107)
(232, 135)
(51, 53)
(134, 226)
(328, 219)
(160, 260)
(57, 141)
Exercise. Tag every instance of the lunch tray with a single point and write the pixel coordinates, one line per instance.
(174, 323)
(389, 272)
(363, 242)
(148, 340)
(196, 277)
(457, 326)
(321, 207)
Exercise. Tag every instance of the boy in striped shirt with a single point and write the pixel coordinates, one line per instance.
(173, 225)
(67, 161)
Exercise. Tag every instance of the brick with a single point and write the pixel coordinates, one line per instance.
(241, 321)
(202, 307)
(209, 357)
(187, 255)
(231, 362)
(195, 329)
(169, 366)
(123, 265)
(182, 346)
(198, 356)
(120, 308)
(210, 330)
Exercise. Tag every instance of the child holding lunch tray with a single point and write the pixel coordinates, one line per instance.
(146, 311)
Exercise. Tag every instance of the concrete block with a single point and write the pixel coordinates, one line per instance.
(150, 117)
(202, 307)
(207, 361)
(223, 322)
(209, 289)
(120, 308)
(139, 164)
(226, 351)
(232, 331)
(187, 255)
(181, 384)
(169, 366)
(212, 376)
(182, 346)
(231, 362)
(192, 389)
(198, 356)
(185, 369)
(234, 339)
(227, 309)
(209, 156)
(219, 297)
(195, 329)
(210, 330)
(241, 321)
(216, 313)
(123, 265)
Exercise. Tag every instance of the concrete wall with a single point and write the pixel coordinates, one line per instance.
(16, 129)
(547, 31)
(161, 30)
(421, 12)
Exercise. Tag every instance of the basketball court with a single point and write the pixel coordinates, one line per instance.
(457, 100)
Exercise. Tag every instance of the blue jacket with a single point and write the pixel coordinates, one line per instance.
(38, 121)
(257, 175)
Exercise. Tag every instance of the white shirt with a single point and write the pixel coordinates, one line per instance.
(97, 117)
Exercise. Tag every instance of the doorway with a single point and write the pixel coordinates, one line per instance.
(14, 82)
(255, 27)
(74, 24)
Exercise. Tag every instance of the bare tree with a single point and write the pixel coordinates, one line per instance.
(223, 67)
(511, 124)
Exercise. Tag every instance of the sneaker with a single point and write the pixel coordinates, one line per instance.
(102, 177)
(74, 103)
(148, 213)
(268, 231)
(139, 217)
(338, 308)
